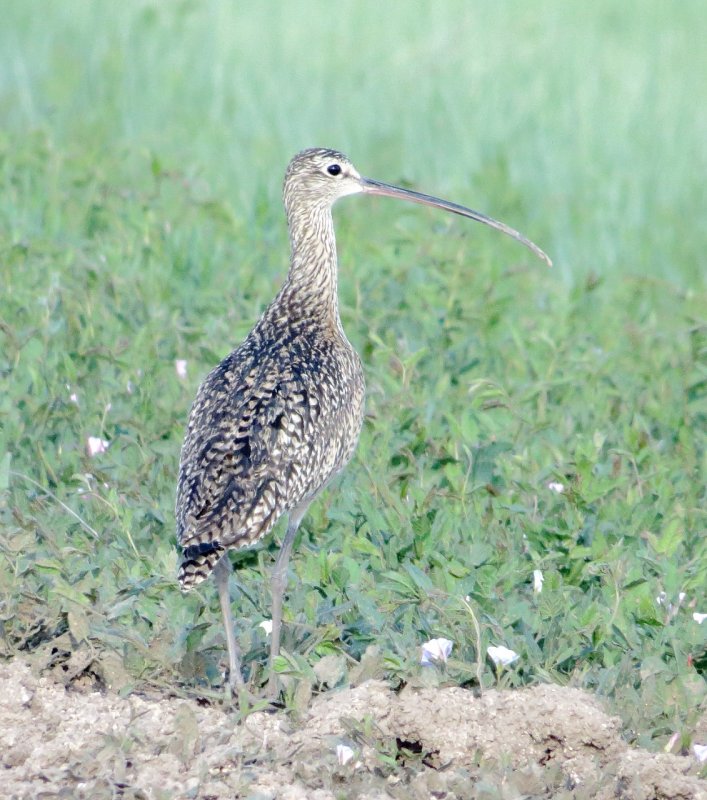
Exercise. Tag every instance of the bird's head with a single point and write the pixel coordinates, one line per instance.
(318, 177)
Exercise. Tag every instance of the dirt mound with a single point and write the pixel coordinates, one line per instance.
(543, 741)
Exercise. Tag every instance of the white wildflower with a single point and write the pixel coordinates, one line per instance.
(699, 618)
(672, 608)
(538, 579)
(266, 625)
(180, 367)
(502, 656)
(555, 486)
(344, 754)
(436, 650)
(95, 445)
(73, 397)
(700, 751)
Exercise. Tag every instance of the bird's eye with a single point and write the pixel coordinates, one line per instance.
(334, 169)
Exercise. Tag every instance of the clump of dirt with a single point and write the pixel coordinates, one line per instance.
(544, 741)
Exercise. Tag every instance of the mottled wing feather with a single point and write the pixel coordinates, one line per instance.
(264, 435)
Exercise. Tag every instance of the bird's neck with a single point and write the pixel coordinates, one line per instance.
(311, 285)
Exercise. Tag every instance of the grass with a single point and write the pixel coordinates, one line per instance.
(140, 167)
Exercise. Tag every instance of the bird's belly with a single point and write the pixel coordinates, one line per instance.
(339, 426)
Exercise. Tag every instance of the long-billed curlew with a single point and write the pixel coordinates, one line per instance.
(280, 416)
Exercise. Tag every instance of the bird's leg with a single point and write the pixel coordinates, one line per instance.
(278, 583)
(221, 573)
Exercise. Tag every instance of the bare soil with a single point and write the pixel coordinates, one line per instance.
(541, 742)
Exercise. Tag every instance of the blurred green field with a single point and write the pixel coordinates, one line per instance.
(142, 151)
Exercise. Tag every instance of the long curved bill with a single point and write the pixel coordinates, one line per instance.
(370, 186)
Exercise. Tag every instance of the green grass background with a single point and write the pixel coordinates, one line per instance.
(142, 149)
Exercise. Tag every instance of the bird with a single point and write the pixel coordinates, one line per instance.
(279, 417)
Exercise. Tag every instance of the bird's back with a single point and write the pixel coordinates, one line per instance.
(270, 426)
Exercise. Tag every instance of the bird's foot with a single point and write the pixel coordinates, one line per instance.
(236, 688)
(238, 694)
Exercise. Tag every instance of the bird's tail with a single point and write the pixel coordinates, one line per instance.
(197, 562)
